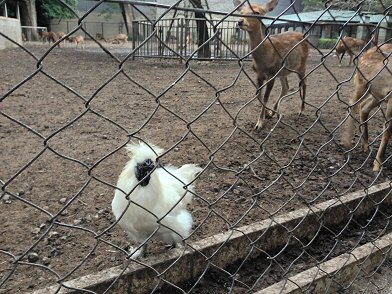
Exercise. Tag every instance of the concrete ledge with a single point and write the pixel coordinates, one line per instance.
(12, 29)
(332, 275)
(227, 248)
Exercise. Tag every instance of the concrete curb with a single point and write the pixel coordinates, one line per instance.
(226, 248)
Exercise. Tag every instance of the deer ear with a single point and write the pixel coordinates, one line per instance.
(271, 5)
(238, 3)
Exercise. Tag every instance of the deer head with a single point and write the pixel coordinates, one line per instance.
(251, 24)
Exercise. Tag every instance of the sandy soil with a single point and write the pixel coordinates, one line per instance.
(62, 132)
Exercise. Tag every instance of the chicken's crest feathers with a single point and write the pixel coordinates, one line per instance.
(141, 151)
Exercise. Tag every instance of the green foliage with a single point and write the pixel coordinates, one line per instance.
(313, 5)
(54, 8)
(108, 11)
(325, 43)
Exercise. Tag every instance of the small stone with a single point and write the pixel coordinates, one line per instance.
(35, 231)
(6, 197)
(33, 257)
(41, 226)
(212, 175)
(46, 207)
(63, 200)
(65, 212)
(236, 191)
(77, 222)
(103, 211)
(46, 260)
(53, 235)
(88, 218)
(21, 193)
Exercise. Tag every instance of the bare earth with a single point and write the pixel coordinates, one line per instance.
(61, 151)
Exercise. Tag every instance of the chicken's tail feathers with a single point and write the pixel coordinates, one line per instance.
(180, 227)
(185, 219)
(189, 172)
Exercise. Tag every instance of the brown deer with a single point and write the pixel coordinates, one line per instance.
(50, 37)
(277, 56)
(100, 37)
(349, 45)
(78, 40)
(123, 38)
(373, 84)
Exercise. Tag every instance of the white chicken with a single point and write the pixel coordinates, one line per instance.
(155, 194)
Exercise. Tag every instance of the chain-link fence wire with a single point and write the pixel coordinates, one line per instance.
(56, 218)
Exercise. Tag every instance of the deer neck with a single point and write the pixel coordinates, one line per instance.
(256, 37)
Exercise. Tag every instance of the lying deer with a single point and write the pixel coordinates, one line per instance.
(349, 45)
(123, 38)
(100, 37)
(373, 82)
(78, 40)
(277, 56)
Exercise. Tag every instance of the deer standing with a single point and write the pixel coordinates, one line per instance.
(349, 45)
(277, 56)
(373, 83)
(79, 40)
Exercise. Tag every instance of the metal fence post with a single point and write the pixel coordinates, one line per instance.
(181, 38)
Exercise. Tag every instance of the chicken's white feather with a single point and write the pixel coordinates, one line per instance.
(164, 196)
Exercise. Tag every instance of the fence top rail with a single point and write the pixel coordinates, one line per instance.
(206, 11)
(32, 27)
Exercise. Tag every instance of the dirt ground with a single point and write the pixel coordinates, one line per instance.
(62, 132)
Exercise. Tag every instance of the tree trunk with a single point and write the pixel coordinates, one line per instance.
(128, 16)
(202, 31)
(28, 17)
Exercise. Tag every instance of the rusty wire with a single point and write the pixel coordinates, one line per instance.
(297, 253)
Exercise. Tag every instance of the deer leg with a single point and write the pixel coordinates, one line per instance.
(268, 89)
(341, 58)
(348, 133)
(338, 56)
(366, 107)
(351, 59)
(260, 122)
(285, 89)
(385, 138)
(302, 92)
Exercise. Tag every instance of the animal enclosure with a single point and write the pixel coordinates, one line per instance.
(67, 113)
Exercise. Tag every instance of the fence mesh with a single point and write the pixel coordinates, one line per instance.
(285, 204)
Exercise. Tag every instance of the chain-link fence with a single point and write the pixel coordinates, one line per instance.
(281, 201)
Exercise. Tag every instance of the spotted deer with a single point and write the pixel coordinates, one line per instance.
(277, 56)
(79, 40)
(373, 84)
(349, 45)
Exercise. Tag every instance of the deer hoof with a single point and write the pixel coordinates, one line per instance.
(347, 143)
(258, 126)
(365, 148)
(376, 166)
